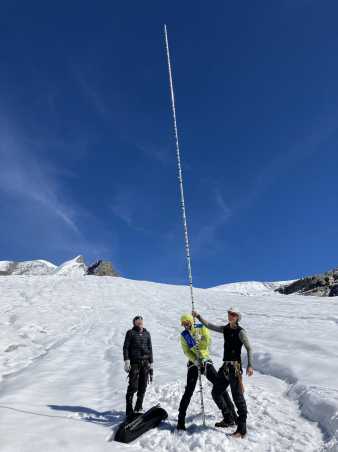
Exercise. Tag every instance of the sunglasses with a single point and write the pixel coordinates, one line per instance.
(233, 314)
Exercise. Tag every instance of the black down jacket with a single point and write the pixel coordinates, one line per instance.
(137, 345)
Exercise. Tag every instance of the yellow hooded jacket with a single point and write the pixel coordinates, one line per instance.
(200, 332)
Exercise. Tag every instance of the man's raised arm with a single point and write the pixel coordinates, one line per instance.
(211, 326)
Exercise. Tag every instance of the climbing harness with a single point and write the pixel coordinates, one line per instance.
(237, 366)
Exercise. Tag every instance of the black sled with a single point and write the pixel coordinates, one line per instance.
(128, 431)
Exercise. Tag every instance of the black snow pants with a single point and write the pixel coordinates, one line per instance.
(138, 380)
(227, 375)
(223, 402)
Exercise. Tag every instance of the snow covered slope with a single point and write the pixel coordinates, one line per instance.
(248, 288)
(37, 267)
(74, 267)
(63, 386)
(41, 267)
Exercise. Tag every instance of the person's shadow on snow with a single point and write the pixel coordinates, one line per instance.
(108, 418)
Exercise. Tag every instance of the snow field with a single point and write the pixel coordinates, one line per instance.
(64, 335)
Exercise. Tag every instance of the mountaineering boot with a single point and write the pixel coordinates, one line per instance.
(229, 420)
(138, 406)
(226, 422)
(241, 429)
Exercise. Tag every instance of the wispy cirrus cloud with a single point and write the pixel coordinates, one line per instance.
(25, 176)
(92, 94)
(122, 207)
(32, 189)
(128, 205)
(206, 238)
(160, 153)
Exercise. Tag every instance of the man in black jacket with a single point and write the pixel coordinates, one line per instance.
(231, 371)
(138, 363)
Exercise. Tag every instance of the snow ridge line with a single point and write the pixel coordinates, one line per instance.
(313, 407)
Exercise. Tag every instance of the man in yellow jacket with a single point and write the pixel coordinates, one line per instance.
(190, 336)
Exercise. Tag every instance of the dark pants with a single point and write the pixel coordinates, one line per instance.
(138, 380)
(226, 376)
(223, 401)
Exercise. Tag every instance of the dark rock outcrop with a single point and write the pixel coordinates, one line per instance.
(334, 291)
(102, 268)
(7, 268)
(321, 285)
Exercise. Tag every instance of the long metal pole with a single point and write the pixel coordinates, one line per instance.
(183, 210)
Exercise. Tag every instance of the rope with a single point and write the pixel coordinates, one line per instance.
(106, 421)
(183, 211)
(20, 410)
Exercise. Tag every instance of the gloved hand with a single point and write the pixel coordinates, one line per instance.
(204, 361)
(201, 362)
(127, 366)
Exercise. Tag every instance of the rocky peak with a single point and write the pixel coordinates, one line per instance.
(320, 285)
(102, 268)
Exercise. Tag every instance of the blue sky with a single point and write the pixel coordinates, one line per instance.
(87, 157)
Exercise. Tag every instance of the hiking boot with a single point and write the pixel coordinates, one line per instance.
(227, 421)
(138, 405)
(225, 424)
